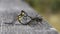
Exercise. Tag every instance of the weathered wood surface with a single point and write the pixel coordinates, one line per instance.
(9, 9)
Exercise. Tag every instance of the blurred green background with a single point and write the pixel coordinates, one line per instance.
(49, 9)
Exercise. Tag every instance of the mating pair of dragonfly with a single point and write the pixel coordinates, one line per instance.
(25, 19)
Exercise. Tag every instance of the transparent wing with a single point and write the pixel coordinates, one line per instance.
(25, 20)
